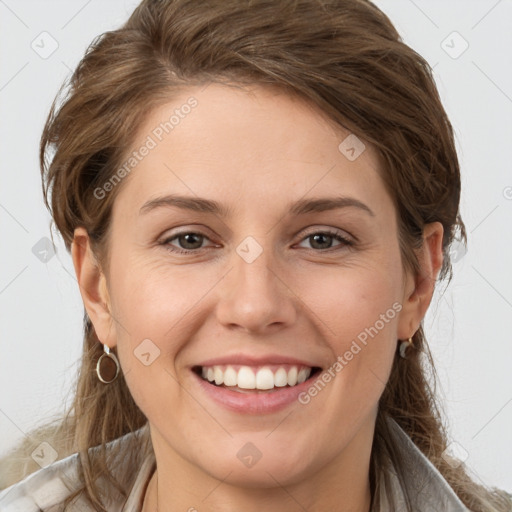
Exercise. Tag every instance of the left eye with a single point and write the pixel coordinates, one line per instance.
(323, 238)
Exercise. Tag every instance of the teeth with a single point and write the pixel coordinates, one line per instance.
(292, 376)
(280, 378)
(218, 375)
(303, 375)
(246, 378)
(230, 377)
(264, 378)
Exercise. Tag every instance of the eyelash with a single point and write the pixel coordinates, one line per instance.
(334, 234)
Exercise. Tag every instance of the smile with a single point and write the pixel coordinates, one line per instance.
(262, 378)
(254, 385)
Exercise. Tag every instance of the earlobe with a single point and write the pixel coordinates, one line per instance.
(93, 287)
(419, 289)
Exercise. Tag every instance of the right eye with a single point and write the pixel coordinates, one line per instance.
(189, 241)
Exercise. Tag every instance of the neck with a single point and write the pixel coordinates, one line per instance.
(340, 486)
(231, 500)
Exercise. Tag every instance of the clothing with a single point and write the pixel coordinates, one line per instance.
(46, 489)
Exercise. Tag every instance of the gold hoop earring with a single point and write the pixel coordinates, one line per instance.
(107, 367)
(404, 345)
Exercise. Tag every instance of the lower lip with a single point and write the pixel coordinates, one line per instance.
(253, 402)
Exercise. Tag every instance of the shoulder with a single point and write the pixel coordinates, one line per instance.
(43, 489)
(47, 489)
(423, 485)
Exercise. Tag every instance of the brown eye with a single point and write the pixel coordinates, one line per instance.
(323, 240)
(186, 242)
(190, 240)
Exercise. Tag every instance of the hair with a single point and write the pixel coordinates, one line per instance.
(345, 57)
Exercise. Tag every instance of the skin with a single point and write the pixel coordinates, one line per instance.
(255, 151)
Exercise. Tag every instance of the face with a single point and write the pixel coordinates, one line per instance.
(256, 286)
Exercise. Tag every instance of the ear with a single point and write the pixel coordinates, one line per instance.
(93, 287)
(419, 288)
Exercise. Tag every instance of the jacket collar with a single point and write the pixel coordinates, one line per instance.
(423, 485)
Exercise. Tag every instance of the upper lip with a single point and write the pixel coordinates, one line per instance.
(252, 360)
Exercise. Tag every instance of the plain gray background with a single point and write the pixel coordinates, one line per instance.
(469, 325)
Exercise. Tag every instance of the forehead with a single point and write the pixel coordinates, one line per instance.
(257, 145)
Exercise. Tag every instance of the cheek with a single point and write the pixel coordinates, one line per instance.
(349, 300)
(157, 309)
(149, 340)
(356, 308)
(152, 297)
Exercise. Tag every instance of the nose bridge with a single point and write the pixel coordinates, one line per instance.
(252, 265)
(253, 296)
(253, 278)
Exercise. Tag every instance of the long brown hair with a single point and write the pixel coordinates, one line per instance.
(344, 56)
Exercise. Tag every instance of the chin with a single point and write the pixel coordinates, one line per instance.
(248, 467)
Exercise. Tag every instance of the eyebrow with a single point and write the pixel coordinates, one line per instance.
(301, 207)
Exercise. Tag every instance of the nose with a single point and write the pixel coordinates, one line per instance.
(254, 298)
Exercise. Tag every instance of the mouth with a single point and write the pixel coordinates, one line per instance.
(256, 379)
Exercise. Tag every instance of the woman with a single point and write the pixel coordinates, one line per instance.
(259, 198)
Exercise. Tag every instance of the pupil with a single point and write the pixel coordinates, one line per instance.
(321, 236)
(189, 239)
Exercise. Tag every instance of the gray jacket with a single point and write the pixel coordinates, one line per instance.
(46, 489)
